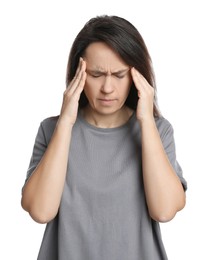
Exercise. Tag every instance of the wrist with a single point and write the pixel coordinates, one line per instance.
(147, 125)
(147, 121)
(65, 122)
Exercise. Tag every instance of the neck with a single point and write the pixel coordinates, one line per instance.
(107, 120)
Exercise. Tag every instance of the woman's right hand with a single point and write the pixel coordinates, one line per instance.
(72, 94)
(42, 194)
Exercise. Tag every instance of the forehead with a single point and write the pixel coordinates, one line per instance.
(99, 55)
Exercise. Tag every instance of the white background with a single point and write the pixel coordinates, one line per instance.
(35, 39)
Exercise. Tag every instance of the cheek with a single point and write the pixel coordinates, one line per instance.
(89, 90)
(125, 90)
(92, 86)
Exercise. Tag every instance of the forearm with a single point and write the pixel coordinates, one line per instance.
(163, 189)
(42, 193)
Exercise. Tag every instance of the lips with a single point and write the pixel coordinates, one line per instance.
(107, 101)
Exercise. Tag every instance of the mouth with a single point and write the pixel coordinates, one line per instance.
(107, 101)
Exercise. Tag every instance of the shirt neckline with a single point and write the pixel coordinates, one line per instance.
(110, 129)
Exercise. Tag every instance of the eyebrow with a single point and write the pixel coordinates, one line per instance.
(103, 72)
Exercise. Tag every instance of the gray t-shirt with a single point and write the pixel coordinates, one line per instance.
(103, 213)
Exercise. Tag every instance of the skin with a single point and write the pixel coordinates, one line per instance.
(107, 87)
(106, 80)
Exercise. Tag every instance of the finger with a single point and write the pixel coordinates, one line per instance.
(76, 73)
(79, 67)
(137, 80)
(140, 81)
(75, 96)
(77, 78)
(81, 84)
(81, 78)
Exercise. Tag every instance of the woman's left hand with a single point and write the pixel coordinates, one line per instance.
(145, 94)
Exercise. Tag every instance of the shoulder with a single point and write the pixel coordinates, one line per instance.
(49, 122)
(47, 127)
(164, 126)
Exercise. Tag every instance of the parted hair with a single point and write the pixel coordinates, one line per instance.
(124, 39)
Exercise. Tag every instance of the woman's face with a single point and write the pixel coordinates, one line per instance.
(108, 79)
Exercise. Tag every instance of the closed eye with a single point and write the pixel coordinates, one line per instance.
(119, 76)
(95, 74)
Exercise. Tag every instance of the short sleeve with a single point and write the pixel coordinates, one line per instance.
(44, 134)
(167, 136)
(38, 151)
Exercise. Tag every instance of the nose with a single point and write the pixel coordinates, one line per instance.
(107, 86)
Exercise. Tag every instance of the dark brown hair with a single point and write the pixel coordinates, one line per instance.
(124, 39)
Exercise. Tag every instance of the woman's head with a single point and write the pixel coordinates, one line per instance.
(120, 35)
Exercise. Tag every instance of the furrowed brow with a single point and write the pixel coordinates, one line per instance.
(95, 71)
(104, 72)
(120, 71)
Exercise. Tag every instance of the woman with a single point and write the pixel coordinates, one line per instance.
(104, 173)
